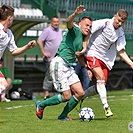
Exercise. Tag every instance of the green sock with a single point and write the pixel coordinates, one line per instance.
(54, 100)
(70, 105)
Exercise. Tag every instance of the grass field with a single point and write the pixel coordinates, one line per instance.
(19, 116)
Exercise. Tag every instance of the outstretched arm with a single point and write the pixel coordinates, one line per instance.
(21, 50)
(125, 57)
(80, 9)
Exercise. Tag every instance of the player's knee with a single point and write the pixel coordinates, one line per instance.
(100, 77)
(66, 97)
(80, 95)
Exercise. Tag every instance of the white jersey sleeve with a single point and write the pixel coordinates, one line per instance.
(11, 45)
(121, 42)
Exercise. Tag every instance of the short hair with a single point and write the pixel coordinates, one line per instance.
(123, 14)
(6, 11)
(85, 17)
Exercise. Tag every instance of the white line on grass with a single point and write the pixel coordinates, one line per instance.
(111, 96)
(20, 106)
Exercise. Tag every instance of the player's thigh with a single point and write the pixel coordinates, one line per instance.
(98, 73)
(77, 89)
(95, 65)
(106, 73)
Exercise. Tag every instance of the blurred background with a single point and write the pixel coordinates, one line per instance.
(32, 16)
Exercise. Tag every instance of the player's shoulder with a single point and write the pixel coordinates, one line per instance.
(75, 26)
(105, 20)
(120, 31)
(9, 31)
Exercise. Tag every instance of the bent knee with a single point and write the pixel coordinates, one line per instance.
(79, 95)
(66, 97)
(82, 94)
(100, 77)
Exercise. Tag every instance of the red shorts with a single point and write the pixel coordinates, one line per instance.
(93, 62)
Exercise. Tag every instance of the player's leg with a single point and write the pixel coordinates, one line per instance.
(101, 89)
(91, 91)
(78, 94)
(54, 100)
(61, 85)
(71, 104)
(108, 111)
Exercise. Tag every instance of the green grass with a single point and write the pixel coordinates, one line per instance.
(19, 116)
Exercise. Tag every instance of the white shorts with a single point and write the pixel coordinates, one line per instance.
(63, 75)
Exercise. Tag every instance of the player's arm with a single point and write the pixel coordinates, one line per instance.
(85, 44)
(21, 50)
(80, 9)
(125, 57)
(82, 61)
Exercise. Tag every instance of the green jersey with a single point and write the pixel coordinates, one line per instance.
(72, 42)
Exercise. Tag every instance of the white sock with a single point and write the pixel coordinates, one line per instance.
(102, 92)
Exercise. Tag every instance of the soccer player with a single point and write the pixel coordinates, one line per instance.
(6, 35)
(48, 43)
(5, 72)
(106, 40)
(64, 78)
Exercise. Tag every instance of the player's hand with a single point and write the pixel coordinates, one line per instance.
(90, 75)
(80, 9)
(80, 53)
(31, 44)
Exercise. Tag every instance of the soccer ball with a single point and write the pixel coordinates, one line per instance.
(86, 114)
(15, 95)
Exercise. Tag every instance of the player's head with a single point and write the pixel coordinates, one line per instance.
(85, 25)
(7, 14)
(55, 22)
(120, 18)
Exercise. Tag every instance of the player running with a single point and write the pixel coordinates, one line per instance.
(106, 40)
(64, 78)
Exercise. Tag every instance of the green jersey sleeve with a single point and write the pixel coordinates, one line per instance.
(72, 42)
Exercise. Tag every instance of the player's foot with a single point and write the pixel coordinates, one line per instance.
(4, 99)
(39, 111)
(79, 105)
(67, 118)
(108, 112)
